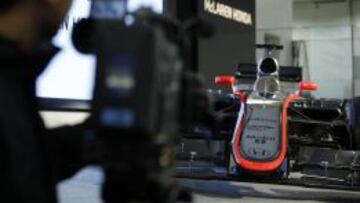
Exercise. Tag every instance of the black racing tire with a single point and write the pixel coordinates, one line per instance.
(353, 115)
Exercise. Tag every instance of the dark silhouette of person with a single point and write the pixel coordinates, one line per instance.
(33, 159)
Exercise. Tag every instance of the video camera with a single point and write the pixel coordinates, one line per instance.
(144, 93)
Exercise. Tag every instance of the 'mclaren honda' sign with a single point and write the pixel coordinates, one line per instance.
(228, 12)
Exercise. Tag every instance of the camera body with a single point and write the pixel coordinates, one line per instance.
(137, 80)
(135, 107)
(145, 93)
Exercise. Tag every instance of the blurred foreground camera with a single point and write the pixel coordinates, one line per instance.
(145, 92)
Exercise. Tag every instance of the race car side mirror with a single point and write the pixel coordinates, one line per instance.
(224, 80)
(307, 86)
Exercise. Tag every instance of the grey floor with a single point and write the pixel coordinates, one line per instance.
(85, 188)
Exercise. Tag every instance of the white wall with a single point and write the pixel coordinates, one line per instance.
(71, 74)
(326, 34)
(326, 31)
(356, 44)
(275, 17)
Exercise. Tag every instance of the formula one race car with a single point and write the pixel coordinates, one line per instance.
(269, 125)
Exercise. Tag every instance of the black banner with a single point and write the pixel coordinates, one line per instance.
(234, 40)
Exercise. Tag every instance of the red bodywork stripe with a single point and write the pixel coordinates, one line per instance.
(269, 165)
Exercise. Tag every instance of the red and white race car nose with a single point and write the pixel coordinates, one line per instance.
(260, 138)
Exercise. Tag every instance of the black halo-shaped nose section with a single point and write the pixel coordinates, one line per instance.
(268, 66)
